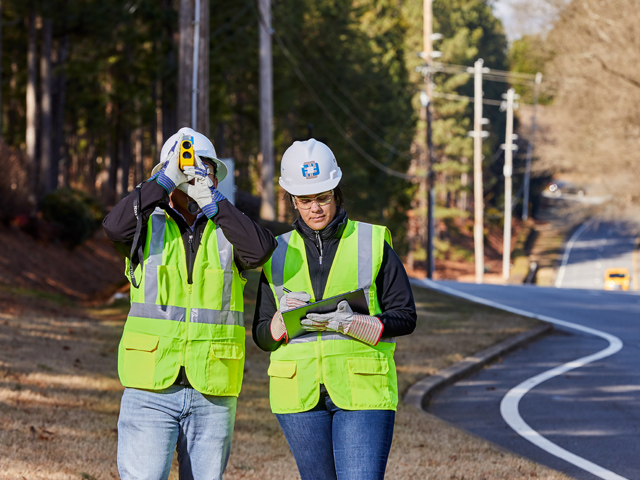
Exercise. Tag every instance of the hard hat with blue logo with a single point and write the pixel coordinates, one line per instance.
(308, 168)
(202, 147)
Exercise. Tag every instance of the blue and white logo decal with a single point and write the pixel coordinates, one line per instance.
(310, 170)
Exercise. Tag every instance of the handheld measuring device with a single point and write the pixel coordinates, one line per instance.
(187, 155)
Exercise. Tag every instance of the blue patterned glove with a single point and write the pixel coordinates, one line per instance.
(170, 174)
(203, 192)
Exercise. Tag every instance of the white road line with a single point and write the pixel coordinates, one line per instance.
(510, 402)
(567, 250)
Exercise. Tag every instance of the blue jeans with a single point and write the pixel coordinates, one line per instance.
(329, 443)
(152, 424)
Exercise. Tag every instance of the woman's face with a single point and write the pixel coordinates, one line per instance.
(317, 211)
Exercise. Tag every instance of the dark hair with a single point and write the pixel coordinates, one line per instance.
(337, 194)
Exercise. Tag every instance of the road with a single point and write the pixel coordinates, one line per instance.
(594, 247)
(583, 417)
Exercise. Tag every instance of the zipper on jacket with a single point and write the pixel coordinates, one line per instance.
(190, 256)
(319, 244)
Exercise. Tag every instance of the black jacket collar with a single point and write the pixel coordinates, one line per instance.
(334, 229)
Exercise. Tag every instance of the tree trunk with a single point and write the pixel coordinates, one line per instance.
(168, 89)
(267, 209)
(138, 157)
(202, 104)
(48, 174)
(0, 70)
(14, 131)
(124, 156)
(91, 166)
(108, 176)
(32, 112)
(59, 100)
(155, 133)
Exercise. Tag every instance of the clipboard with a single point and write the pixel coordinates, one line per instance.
(357, 301)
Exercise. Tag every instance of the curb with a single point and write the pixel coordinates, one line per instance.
(420, 393)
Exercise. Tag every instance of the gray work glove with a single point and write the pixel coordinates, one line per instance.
(365, 328)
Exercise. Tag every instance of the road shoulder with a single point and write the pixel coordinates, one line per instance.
(420, 394)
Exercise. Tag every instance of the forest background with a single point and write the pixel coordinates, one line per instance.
(90, 90)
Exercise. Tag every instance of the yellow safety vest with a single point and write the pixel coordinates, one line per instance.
(174, 323)
(357, 376)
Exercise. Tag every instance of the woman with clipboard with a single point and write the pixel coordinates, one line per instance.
(333, 389)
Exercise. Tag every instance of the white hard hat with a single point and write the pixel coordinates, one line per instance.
(308, 168)
(202, 147)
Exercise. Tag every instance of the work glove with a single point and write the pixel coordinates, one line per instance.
(287, 302)
(365, 328)
(170, 175)
(202, 191)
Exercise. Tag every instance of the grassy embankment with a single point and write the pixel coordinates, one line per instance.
(60, 395)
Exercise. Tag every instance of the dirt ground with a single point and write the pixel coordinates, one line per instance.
(60, 393)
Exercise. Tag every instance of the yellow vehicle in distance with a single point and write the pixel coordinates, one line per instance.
(616, 279)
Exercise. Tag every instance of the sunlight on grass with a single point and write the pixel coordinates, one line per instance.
(60, 395)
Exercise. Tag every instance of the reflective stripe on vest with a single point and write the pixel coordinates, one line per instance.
(314, 337)
(173, 323)
(357, 376)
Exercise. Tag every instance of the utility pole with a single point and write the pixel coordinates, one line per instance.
(193, 65)
(430, 180)
(478, 200)
(194, 75)
(267, 209)
(508, 170)
(527, 172)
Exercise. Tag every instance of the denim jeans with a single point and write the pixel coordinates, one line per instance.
(152, 424)
(329, 443)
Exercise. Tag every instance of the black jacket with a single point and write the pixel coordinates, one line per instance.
(252, 244)
(394, 290)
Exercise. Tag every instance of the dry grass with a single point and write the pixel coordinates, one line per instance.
(59, 396)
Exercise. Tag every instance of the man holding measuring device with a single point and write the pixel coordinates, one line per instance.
(181, 356)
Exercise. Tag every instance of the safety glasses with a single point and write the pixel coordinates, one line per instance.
(305, 203)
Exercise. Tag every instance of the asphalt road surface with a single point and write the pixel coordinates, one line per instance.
(596, 246)
(576, 407)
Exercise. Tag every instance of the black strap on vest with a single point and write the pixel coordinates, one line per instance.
(137, 203)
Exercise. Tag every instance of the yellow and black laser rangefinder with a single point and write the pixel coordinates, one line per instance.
(187, 156)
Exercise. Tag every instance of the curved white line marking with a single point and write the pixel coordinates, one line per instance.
(510, 402)
(567, 250)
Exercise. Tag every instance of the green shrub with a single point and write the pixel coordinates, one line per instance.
(75, 215)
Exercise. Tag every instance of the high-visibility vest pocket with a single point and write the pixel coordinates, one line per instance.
(369, 381)
(138, 354)
(226, 364)
(283, 388)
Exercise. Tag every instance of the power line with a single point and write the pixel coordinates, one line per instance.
(335, 122)
(232, 20)
(236, 34)
(451, 96)
(345, 108)
(330, 116)
(498, 75)
(331, 77)
(491, 75)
